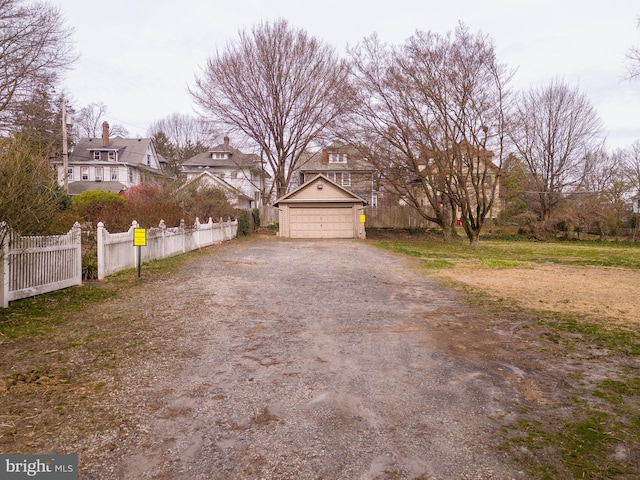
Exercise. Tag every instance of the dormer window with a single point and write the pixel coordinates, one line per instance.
(337, 158)
(113, 157)
(219, 156)
(96, 155)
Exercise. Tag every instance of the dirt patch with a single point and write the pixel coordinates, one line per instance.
(599, 293)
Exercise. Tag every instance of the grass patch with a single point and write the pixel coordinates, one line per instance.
(595, 433)
(502, 253)
(41, 314)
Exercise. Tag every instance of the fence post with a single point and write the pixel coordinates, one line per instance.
(196, 226)
(77, 241)
(136, 251)
(163, 238)
(183, 235)
(100, 233)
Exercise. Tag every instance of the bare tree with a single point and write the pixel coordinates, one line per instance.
(179, 137)
(87, 122)
(632, 165)
(600, 199)
(556, 127)
(279, 87)
(35, 47)
(437, 104)
(633, 57)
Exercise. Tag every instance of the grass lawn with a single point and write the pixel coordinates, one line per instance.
(596, 433)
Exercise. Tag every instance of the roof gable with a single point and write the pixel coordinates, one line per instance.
(133, 151)
(320, 189)
(207, 178)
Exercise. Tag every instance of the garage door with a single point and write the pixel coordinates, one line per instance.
(321, 222)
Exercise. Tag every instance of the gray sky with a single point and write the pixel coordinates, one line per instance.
(139, 56)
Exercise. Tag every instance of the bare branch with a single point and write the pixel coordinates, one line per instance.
(278, 87)
(35, 47)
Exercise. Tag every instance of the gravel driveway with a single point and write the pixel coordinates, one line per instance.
(306, 360)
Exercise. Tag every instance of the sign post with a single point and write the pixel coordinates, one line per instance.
(139, 240)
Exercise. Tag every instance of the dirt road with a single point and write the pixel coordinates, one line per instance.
(311, 359)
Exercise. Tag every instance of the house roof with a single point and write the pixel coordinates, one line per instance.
(132, 151)
(313, 161)
(235, 159)
(342, 194)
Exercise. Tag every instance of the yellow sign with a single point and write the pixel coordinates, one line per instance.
(139, 237)
(362, 218)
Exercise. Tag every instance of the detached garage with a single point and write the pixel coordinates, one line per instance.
(321, 209)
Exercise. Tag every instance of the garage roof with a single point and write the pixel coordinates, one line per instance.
(320, 190)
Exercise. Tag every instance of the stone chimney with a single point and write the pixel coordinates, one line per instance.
(226, 140)
(105, 134)
(325, 157)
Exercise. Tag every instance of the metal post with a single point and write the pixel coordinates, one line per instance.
(65, 153)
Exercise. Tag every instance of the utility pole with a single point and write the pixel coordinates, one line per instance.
(65, 153)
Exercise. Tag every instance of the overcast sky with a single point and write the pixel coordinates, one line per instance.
(139, 56)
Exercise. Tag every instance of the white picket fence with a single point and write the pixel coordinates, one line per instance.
(38, 264)
(116, 250)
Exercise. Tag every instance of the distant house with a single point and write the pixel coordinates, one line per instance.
(241, 171)
(111, 164)
(470, 163)
(235, 197)
(346, 166)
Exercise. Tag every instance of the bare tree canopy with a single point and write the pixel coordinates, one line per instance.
(633, 57)
(433, 111)
(278, 86)
(87, 122)
(35, 47)
(178, 137)
(556, 129)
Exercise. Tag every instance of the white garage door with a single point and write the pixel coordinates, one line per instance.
(321, 222)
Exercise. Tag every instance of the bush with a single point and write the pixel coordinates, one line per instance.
(203, 202)
(256, 218)
(94, 206)
(243, 222)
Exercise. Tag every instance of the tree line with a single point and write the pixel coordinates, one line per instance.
(436, 115)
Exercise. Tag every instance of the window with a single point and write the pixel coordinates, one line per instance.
(84, 173)
(331, 176)
(98, 174)
(346, 179)
(337, 158)
(113, 157)
(148, 160)
(234, 174)
(70, 173)
(114, 174)
(96, 155)
(130, 175)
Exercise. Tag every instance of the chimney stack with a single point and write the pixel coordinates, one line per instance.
(325, 157)
(105, 134)
(226, 140)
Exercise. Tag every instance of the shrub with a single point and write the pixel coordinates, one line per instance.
(243, 222)
(256, 218)
(95, 206)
